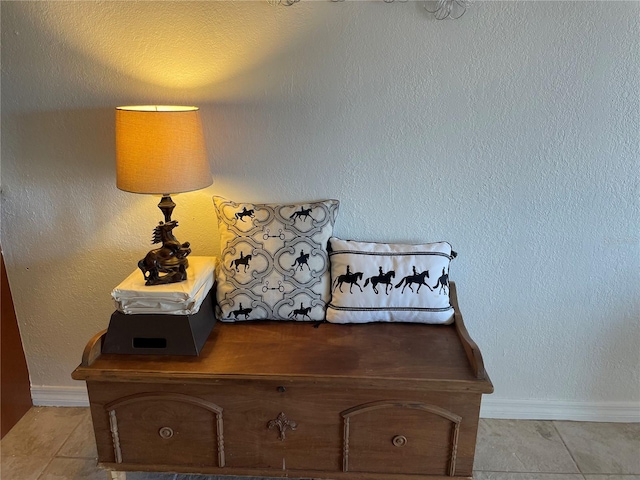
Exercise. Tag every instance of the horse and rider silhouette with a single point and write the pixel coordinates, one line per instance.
(381, 278)
(242, 260)
(241, 311)
(303, 214)
(415, 278)
(350, 278)
(245, 213)
(301, 261)
(443, 281)
(300, 311)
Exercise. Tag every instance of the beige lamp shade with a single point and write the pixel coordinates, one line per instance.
(160, 150)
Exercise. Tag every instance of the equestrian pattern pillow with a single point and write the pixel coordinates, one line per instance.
(274, 262)
(383, 282)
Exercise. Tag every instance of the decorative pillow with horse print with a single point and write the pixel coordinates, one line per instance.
(384, 282)
(274, 262)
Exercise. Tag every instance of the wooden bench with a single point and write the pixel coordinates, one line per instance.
(284, 399)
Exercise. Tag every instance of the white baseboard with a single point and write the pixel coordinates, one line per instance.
(48, 396)
(629, 412)
(626, 412)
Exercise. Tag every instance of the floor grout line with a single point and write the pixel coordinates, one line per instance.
(45, 468)
(573, 458)
(76, 457)
(67, 438)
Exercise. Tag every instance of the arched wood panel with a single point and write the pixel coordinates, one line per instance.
(163, 423)
(399, 437)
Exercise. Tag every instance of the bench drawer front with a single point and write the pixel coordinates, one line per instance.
(166, 428)
(400, 437)
(280, 427)
(236, 425)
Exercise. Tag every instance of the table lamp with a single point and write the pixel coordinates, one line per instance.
(160, 150)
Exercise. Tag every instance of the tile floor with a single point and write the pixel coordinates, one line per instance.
(57, 444)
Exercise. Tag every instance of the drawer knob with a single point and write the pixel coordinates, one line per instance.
(165, 432)
(399, 441)
(281, 389)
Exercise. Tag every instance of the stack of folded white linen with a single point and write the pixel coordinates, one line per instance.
(132, 296)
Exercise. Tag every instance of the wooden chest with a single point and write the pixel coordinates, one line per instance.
(375, 401)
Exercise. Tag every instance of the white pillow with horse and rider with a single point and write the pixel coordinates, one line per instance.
(274, 262)
(387, 282)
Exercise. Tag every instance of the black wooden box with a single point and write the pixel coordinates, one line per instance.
(161, 334)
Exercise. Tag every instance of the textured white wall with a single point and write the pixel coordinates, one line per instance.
(512, 133)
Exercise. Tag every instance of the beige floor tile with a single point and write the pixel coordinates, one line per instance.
(81, 443)
(22, 468)
(521, 446)
(525, 476)
(609, 448)
(41, 432)
(73, 469)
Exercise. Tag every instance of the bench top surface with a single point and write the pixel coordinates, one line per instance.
(375, 353)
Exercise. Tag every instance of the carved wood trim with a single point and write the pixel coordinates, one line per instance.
(372, 406)
(178, 397)
(282, 423)
(113, 426)
(454, 449)
(174, 397)
(368, 407)
(345, 445)
(220, 438)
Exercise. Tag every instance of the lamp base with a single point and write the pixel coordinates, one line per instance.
(167, 264)
(166, 205)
